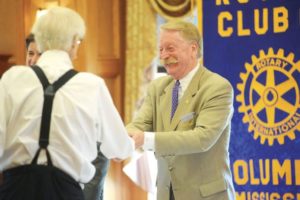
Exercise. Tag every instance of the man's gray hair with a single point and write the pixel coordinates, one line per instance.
(57, 29)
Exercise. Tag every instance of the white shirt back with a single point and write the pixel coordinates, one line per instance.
(83, 113)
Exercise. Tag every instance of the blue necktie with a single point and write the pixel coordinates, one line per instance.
(175, 98)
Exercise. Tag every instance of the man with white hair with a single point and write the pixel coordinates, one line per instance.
(67, 127)
(94, 189)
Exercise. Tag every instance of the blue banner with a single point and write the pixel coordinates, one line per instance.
(256, 46)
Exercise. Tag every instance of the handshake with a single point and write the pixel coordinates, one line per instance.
(138, 138)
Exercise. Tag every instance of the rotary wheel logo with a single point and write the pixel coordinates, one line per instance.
(269, 96)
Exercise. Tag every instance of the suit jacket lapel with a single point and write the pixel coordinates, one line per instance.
(187, 97)
(165, 105)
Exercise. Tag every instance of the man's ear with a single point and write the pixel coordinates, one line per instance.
(74, 41)
(195, 48)
(74, 47)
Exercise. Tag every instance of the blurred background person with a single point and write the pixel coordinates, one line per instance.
(32, 54)
(93, 190)
(83, 113)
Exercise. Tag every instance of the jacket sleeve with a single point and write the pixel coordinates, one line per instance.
(143, 120)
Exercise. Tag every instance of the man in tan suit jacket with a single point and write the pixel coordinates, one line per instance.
(191, 146)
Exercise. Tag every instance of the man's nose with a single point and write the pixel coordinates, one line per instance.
(34, 59)
(163, 54)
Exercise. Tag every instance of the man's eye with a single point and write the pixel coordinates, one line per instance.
(170, 48)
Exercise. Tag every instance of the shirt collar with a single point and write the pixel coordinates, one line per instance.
(55, 63)
(185, 81)
(55, 58)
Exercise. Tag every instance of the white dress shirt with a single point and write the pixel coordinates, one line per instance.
(149, 139)
(83, 113)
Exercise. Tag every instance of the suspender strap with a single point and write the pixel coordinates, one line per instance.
(49, 92)
(42, 77)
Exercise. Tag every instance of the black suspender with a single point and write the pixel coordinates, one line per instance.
(49, 92)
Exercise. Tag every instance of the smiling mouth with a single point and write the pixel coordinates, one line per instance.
(169, 66)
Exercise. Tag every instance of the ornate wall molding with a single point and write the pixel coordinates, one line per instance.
(173, 9)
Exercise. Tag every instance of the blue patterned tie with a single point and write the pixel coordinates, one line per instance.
(175, 98)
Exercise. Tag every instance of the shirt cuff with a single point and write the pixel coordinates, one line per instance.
(149, 141)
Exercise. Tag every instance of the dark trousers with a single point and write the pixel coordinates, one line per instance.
(171, 193)
(1, 178)
(36, 182)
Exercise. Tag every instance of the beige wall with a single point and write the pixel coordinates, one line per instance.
(101, 52)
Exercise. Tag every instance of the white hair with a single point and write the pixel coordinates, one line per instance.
(57, 29)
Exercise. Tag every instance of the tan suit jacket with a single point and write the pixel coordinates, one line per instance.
(192, 149)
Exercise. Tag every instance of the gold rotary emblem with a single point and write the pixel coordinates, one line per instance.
(269, 96)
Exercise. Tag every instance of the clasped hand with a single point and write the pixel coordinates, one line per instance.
(138, 137)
